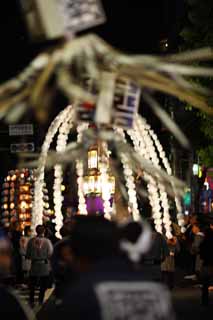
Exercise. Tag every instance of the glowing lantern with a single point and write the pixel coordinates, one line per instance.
(93, 159)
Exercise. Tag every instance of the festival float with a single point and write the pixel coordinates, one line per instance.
(17, 198)
(134, 146)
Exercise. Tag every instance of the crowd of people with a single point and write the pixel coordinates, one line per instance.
(102, 269)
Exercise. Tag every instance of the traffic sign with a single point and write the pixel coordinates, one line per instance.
(22, 147)
(21, 129)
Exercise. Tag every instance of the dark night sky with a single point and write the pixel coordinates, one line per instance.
(135, 26)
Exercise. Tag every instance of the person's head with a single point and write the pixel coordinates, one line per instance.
(193, 219)
(135, 240)
(187, 219)
(62, 258)
(172, 241)
(131, 231)
(196, 228)
(15, 226)
(27, 231)
(48, 232)
(40, 230)
(93, 238)
(67, 227)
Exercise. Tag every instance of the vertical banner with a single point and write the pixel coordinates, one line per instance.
(117, 103)
(126, 103)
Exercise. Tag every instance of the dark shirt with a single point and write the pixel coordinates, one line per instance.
(158, 251)
(15, 239)
(206, 246)
(112, 290)
(63, 274)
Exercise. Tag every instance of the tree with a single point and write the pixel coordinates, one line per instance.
(197, 33)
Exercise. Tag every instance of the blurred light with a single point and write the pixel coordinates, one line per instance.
(63, 188)
(24, 188)
(12, 191)
(164, 45)
(12, 205)
(6, 185)
(14, 177)
(200, 173)
(195, 169)
(26, 197)
(46, 205)
(112, 184)
(206, 184)
(94, 184)
(187, 197)
(93, 159)
(24, 205)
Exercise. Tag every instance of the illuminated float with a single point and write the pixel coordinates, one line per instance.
(17, 196)
(138, 146)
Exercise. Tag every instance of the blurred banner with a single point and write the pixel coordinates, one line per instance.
(53, 19)
(79, 15)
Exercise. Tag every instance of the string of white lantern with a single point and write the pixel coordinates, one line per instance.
(82, 208)
(180, 216)
(144, 128)
(153, 194)
(129, 180)
(37, 212)
(153, 187)
(58, 171)
(106, 192)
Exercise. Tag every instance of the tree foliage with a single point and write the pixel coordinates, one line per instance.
(198, 32)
